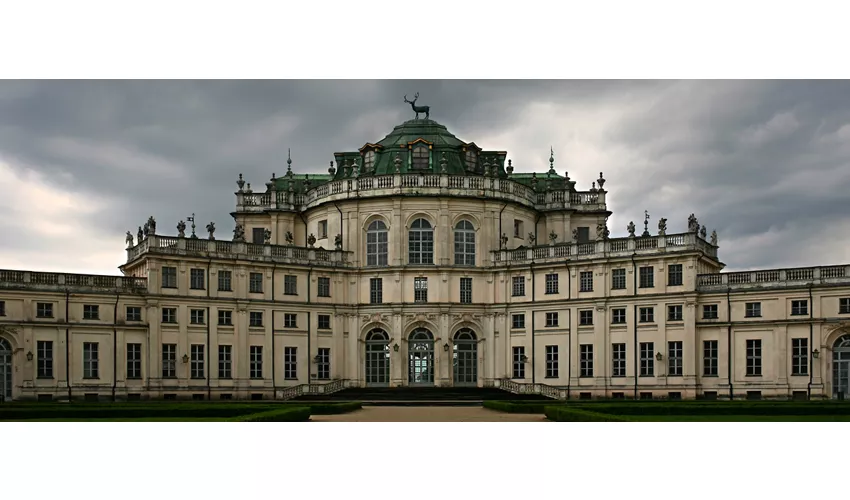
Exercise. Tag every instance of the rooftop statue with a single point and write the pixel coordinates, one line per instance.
(419, 109)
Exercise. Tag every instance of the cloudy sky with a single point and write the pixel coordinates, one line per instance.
(765, 163)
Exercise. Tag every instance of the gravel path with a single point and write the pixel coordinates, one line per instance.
(427, 414)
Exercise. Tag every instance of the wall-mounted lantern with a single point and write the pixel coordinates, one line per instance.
(523, 359)
(659, 356)
(185, 358)
(446, 347)
(395, 347)
(816, 354)
(29, 356)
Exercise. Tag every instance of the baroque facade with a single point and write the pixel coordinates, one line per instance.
(424, 260)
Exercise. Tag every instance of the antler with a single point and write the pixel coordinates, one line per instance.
(405, 98)
(416, 96)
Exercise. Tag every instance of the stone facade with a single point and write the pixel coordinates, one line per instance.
(460, 273)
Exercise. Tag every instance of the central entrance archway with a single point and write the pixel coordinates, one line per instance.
(420, 355)
(841, 368)
(465, 358)
(5, 370)
(377, 358)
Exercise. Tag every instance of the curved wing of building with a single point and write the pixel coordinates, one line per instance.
(424, 260)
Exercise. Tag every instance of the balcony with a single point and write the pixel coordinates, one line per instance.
(774, 278)
(219, 249)
(33, 280)
(422, 185)
(615, 247)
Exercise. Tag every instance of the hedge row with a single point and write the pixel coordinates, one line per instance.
(288, 414)
(515, 407)
(728, 408)
(567, 414)
(184, 410)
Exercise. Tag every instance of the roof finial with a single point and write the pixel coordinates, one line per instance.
(551, 160)
(289, 162)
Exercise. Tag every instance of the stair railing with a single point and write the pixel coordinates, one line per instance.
(548, 391)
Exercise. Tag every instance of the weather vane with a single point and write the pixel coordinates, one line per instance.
(418, 109)
(192, 220)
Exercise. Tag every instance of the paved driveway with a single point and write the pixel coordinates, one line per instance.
(427, 414)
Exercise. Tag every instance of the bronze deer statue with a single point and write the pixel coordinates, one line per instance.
(418, 109)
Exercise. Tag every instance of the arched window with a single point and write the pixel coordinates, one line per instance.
(464, 244)
(471, 160)
(5, 370)
(369, 161)
(420, 243)
(376, 244)
(420, 158)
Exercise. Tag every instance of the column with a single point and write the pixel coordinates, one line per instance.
(154, 341)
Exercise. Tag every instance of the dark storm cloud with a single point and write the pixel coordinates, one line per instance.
(750, 158)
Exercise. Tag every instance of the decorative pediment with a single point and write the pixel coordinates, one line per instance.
(412, 144)
(369, 146)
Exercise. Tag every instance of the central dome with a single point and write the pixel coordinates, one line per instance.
(429, 130)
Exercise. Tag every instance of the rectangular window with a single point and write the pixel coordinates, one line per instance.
(324, 289)
(551, 361)
(323, 229)
(224, 361)
(225, 317)
(585, 353)
(290, 363)
(844, 306)
(44, 348)
(323, 364)
(134, 313)
(709, 311)
(674, 358)
(196, 279)
(91, 311)
(551, 319)
(618, 316)
(90, 360)
(256, 361)
(618, 279)
(376, 291)
(518, 229)
(169, 315)
(585, 317)
(324, 321)
(586, 281)
(799, 307)
(44, 310)
(255, 318)
(753, 309)
(255, 283)
(551, 284)
(134, 361)
(2, 307)
(197, 361)
(754, 357)
(290, 320)
(519, 362)
(518, 288)
(647, 359)
(258, 235)
(647, 277)
(169, 277)
(224, 281)
(709, 358)
(800, 356)
(420, 289)
(169, 360)
(197, 316)
(674, 312)
(466, 290)
(674, 275)
(618, 358)
(518, 321)
(290, 285)
(647, 314)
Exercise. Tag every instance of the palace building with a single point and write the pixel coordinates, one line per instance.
(424, 260)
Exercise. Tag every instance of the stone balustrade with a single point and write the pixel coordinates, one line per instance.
(191, 247)
(426, 185)
(614, 247)
(62, 281)
(774, 278)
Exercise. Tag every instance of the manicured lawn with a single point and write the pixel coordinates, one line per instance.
(740, 418)
(150, 419)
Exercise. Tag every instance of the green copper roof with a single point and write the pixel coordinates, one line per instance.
(429, 130)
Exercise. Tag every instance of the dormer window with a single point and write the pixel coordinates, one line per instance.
(471, 160)
(420, 158)
(369, 161)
